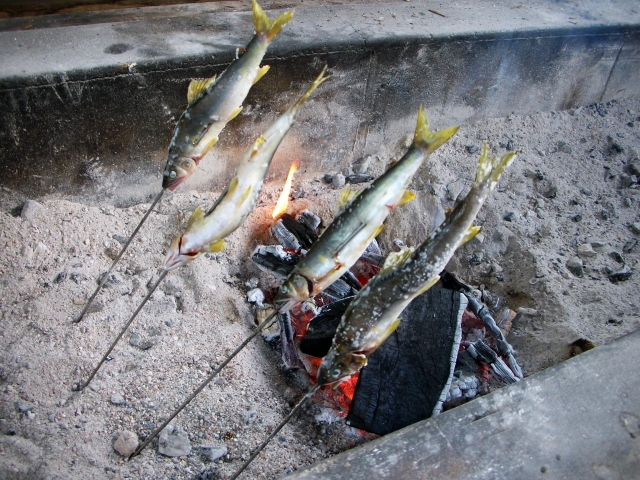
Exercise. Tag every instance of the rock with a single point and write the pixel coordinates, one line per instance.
(361, 165)
(27, 253)
(116, 399)
(95, 386)
(574, 265)
(636, 227)
(552, 192)
(338, 180)
(29, 210)
(621, 276)
(212, 453)
(586, 191)
(252, 283)
(255, 296)
(509, 217)
(358, 178)
(135, 339)
(24, 407)
(250, 417)
(125, 443)
(563, 147)
(40, 248)
(174, 442)
(31, 415)
(95, 307)
(634, 166)
(530, 312)
(596, 242)
(629, 246)
(617, 256)
(627, 181)
(627, 202)
(120, 239)
(61, 277)
(454, 189)
(328, 178)
(577, 217)
(471, 149)
(586, 250)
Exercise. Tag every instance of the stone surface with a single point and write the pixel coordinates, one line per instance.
(578, 419)
(30, 209)
(574, 265)
(174, 442)
(586, 250)
(211, 453)
(125, 443)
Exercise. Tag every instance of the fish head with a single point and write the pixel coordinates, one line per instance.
(296, 288)
(179, 253)
(177, 171)
(337, 367)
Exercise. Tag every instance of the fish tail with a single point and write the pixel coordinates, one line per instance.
(424, 138)
(316, 83)
(490, 169)
(267, 27)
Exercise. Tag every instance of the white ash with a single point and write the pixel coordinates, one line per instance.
(255, 296)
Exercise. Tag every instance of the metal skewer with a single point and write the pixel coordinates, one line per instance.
(79, 386)
(126, 245)
(275, 432)
(264, 324)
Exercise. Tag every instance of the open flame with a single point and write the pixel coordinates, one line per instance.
(283, 201)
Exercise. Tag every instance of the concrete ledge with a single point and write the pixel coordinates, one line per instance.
(578, 419)
(104, 98)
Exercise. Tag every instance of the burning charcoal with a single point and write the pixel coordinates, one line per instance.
(305, 236)
(339, 290)
(484, 354)
(274, 259)
(309, 220)
(408, 377)
(373, 259)
(284, 237)
(289, 352)
(322, 329)
(358, 178)
(373, 247)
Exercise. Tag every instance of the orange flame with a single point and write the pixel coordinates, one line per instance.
(283, 201)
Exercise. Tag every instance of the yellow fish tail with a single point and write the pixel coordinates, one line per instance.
(431, 141)
(316, 83)
(263, 25)
(490, 169)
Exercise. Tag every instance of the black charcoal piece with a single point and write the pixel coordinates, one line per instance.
(407, 378)
(290, 357)
(284, 237)
(309, 220)
(274, 259)
(322, 328)
(303, 234)
(358, 178)
(339, 290)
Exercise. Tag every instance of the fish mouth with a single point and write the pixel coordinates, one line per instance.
(171, 184)
(176, 257)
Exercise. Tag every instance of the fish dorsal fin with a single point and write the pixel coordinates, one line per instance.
(196, 216)
(472, 232)
(197, 87)
(347, 196)
(261, 73)
(215, 247)
(235, 113)
(395, 260)
(407, 196)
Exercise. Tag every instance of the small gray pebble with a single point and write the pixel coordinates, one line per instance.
(575, 266)
(510, 217)
(52, 417)
(250, 417)
(135, 339)
(117, 399)
(24, 407)
(471, 149)
(29, 210)
(328, 178)
(125, 443)
(338, 180)
(212, 453)
(174, 442)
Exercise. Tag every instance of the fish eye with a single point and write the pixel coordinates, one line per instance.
(335, 372)
(172, 175)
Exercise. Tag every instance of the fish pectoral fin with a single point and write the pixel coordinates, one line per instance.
(396, 260)
(216, 247)
(346, 198)
(261, 73)
(429, 285)
(233, 185)
(197, 87)
(387, 333)
(235, 113)
(407, 196)
(472, 232)
(196, 216)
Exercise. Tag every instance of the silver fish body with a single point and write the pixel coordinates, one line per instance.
(215, 102)
(374, 314)
(359, 221)
(205, 233)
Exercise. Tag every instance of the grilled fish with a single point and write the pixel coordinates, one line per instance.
(205, 233)
(373, 315)
(359, 220)
(213, 102)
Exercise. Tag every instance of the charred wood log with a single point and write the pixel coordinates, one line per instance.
(310, 220)
(484, 354)
(273, 259)
(290, 357)
(322, 328)
(407, 378)
(305, 236)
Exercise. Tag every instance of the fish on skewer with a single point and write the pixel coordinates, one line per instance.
(374, 314)
(360, 221)
(213, 102)
(205, 233)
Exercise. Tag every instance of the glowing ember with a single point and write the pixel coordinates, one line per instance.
(283, 201)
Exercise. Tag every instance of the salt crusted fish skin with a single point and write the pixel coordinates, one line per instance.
(374, 314)
(215, 101)
(205, 232)
(359, 220)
